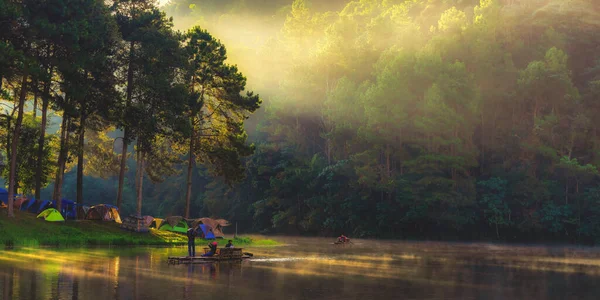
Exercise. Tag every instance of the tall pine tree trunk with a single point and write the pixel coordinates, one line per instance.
(188, 194)
(63, 126)
(32, 160)
(497, 233)
(62, 157)
(388, 165)
(63, 166)
(10, 131)
(140, 184)
(35, 102)
(482, 144)
(42, 140)
(13, 153)
(137, 167)
(122, 169)
(125, 135)
(80, 160)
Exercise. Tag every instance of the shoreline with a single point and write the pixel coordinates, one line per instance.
(25, 230)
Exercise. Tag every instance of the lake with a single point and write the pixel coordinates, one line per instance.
(308, 268)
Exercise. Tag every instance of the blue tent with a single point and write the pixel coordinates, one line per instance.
(4, 195)
(208, 234)
(27, 204)
(68, 209)
(39, 206)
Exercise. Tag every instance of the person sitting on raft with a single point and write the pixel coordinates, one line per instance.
(213, 249)
(229, 245)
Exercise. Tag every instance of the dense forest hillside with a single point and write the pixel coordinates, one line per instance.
(451, 119)
(458, 119)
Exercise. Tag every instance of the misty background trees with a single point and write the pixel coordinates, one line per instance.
(460, 119)
(443, 119)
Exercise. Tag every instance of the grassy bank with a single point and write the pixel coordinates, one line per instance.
(26, 230)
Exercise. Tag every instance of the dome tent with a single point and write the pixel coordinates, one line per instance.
(148, 220)
(207, 232)
(39, 205)
(216, 225)
(51, 215)
(211, 228)
(103, 212)
(174, 223)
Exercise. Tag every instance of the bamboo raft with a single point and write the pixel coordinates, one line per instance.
(224, 254)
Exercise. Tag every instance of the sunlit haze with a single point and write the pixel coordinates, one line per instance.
(299, 149)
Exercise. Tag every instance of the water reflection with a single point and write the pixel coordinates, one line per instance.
(308, 269)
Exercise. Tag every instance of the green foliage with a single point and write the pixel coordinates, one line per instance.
(27, 154)
(217, 107)
(421, 118)
(495, 207)
(556, 217)
(376, 135)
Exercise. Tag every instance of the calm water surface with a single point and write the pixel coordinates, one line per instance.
(308, 269)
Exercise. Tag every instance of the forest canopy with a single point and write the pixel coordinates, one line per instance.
(444, 119)
(107, 65)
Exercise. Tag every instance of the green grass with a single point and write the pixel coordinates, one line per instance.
(265, 242)
(25, 230)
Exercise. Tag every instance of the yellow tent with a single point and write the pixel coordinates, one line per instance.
(156, 223)
(51, 215)
(115, 215)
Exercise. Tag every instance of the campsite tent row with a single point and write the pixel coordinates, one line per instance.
(210, 228)
(68, 209)
(102, 212)
(46, 209)
(4, 198)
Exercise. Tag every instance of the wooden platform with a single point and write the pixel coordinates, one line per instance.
(225, 254)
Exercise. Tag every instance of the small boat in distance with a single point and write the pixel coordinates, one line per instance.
(342, 240)
(341, 243)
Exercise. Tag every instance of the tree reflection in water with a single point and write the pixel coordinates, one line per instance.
(306, 271)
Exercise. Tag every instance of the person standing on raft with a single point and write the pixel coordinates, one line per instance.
(213, 249)
(191, 234)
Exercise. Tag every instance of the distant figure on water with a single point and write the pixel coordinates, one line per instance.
(343, 239)
(213, 249)
(191, 234)
(229, 245)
